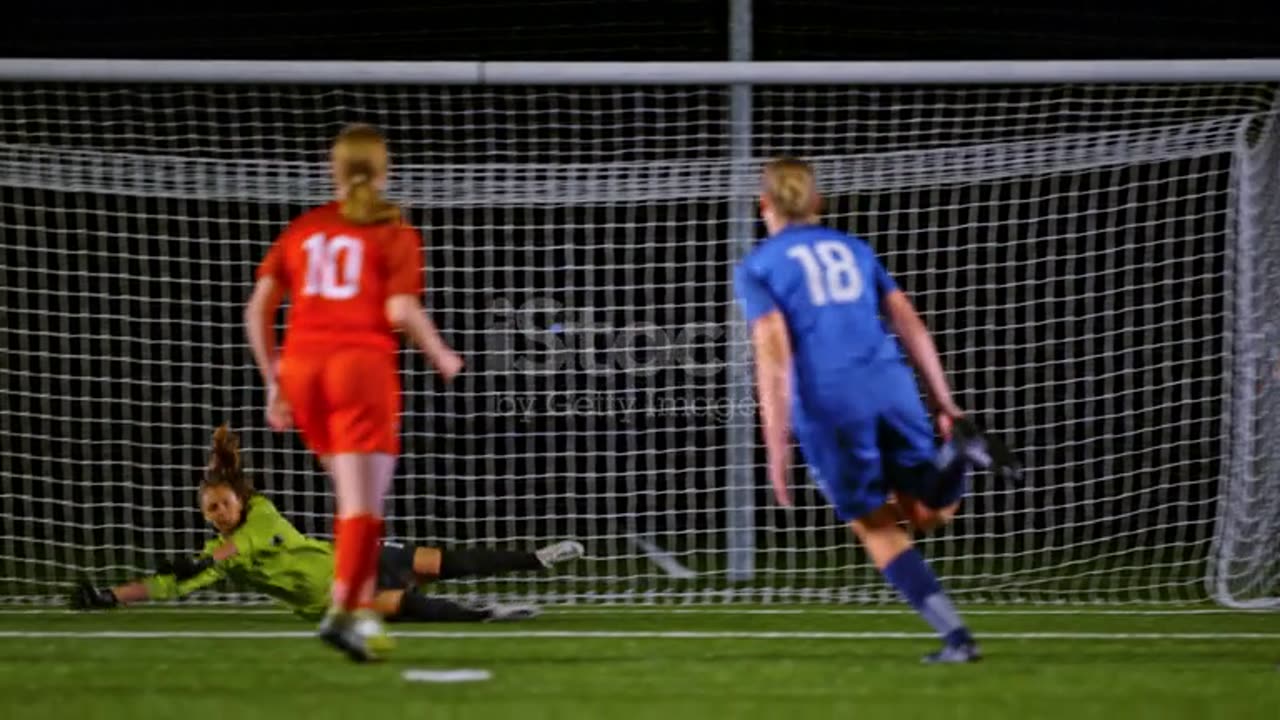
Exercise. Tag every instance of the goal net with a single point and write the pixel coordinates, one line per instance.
(1100, 265)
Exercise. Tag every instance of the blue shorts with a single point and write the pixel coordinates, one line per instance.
(870, 437)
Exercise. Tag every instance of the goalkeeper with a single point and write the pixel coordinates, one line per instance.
(258, 549)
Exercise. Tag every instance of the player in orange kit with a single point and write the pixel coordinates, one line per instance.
(353, 272)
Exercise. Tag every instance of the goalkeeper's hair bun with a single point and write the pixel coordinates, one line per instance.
(226, 447)
(225, 465)
(789, 184)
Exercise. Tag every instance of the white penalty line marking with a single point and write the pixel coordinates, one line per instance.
(446, 676)
(625, 611)
(149, 611)
(637, 635)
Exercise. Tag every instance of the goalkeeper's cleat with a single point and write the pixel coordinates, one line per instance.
(560, 552)
(953, 655)
(351, 633)
(984, 451)
(510, 613)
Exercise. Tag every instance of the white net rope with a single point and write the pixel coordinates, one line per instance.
(1070, 246)
(1245, 566)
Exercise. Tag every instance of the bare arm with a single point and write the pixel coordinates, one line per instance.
(910, 328)
(187, 575)
(259, 322)
(183, 578)
(131, 592)
(772, 347)
(405, 313)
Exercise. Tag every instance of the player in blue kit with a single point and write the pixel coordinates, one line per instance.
(827, 364)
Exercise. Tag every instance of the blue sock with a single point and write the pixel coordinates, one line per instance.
(916, 582)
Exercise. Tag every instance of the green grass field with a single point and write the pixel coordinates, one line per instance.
(737, 662)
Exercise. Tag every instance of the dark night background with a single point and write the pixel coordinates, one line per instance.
(123, 344)
(644, 30)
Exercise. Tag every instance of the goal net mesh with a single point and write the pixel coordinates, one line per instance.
(1077, 251)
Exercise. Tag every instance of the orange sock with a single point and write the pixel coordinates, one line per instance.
(356, 560)
(342, 561)
(367, 576)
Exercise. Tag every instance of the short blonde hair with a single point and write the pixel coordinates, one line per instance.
(790, 186)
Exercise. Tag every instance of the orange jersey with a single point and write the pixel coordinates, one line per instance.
(338, 276)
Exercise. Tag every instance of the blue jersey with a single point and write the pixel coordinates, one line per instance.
(829, 287)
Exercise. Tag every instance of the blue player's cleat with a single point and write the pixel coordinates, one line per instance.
(984, 451)
(969, 449)
(953, 655)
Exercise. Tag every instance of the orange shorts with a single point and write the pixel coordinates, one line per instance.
(345, 401)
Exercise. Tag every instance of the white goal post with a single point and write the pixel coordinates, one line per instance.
(1096, 246)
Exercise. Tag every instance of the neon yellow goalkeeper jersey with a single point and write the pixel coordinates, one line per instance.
(272, 558)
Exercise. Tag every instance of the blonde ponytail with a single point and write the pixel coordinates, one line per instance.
(364, 205)
(359, 159)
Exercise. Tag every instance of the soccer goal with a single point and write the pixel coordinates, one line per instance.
(1096, 247)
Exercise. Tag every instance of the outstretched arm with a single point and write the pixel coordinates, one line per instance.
(178, 579)
(85, 596)
(131, 592)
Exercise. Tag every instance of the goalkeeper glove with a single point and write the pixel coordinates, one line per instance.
(184, 568)
(87, 597)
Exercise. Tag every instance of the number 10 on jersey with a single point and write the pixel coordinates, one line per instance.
(333, 266)
(831, 271)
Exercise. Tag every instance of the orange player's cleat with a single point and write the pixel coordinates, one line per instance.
(360, 635)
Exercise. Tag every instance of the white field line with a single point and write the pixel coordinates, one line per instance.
(637, 635)
(624, 611)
